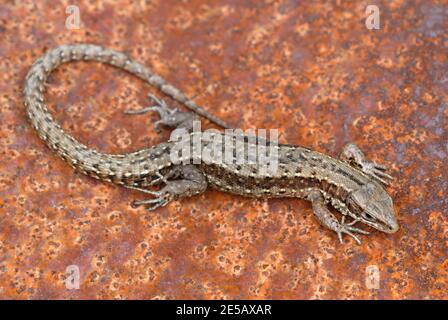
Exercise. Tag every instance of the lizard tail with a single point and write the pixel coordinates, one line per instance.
(66, 53)
(87, 160)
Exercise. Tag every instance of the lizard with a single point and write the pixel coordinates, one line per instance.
(351, 184)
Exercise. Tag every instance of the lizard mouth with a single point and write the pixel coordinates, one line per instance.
(363, 216)
(389, 227)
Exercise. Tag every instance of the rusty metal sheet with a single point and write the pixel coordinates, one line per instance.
(312, 70)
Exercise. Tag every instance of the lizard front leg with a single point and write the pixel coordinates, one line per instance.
(327, 219)
(356, 158)
(191, 182)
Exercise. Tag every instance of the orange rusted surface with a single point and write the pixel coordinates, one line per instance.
(313, 71)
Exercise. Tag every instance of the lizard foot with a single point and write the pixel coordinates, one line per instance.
(348, 229)
(355, 157)
(191, 182)
(161, 199)
(376, 171)
(170, 117)
(327, 218)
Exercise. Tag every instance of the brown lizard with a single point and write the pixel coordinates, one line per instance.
(351, 184)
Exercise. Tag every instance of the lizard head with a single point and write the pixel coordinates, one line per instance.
(373, 206)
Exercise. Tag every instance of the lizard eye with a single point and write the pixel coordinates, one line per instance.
(368, 216)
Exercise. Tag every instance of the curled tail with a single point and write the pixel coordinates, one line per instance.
(77, 154)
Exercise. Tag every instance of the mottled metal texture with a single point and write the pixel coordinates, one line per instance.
(312, 70)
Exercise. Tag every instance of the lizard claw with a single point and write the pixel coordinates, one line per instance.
(355, 157)
(376, 171)
(166, 114)
(170, 117)
(161, 200)
(348, 229)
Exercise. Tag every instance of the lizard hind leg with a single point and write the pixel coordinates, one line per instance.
(356, 158)
(170, 117)
(328, 220)
(190, 181)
